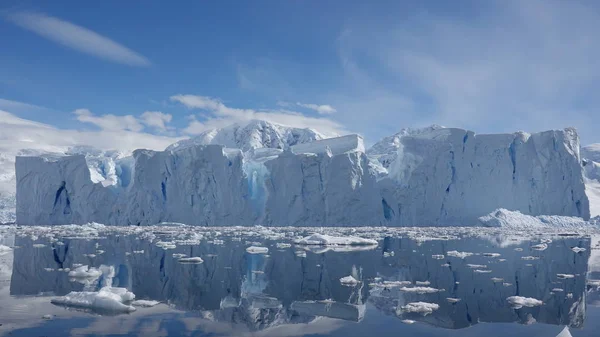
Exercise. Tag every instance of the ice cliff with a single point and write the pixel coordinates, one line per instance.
(286, 176)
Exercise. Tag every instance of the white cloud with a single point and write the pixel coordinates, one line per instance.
(516, 65)
(77, 37)
(321, 109)
(156, 119)
(109, 122)
(220, 115)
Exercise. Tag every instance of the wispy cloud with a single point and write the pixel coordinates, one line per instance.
(321, 109)
(109, 122)
(157, 120)
(217, 114)
(77, 37)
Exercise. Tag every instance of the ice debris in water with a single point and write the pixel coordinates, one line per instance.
(39, 245)
(144, 303)
(422, 283)
(540, 247)
(474, 266)
(257, 250)
(497, 279)
(517, 302)
(491, 254)
(178, 255)
(191, 260)
(47, 316)
(460, 255)
(85, 272)
(480, 271)
(423, 308)
(530, 258)
(578, 249)
(327, 240)
(565, 276)
(407, 321)
(437, 257)
(558, 290)
(518, 249)
(421, 290)
(349, 281)
(106, 299)
(452, 300)
(281, 245)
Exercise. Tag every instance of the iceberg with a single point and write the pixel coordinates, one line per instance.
(517, 302)
(267, 174)
(328, 240)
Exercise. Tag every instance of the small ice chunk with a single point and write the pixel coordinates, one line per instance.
(49, 269)
(191, 260)
(422, 283)
(452, 300)
(446, 265)
(506, 284)
(518, 249)
(540, 247)
(257, 250)
(144, 303)
(438, 257)
(481, 271)
(530, 258)
(420, 290)
(106, 299)
(300, 253)
(327, 240)
(578, 249)
(39, 245)
(458, 254)
(138, 251)
(517, 302)
(474, 266)
(565, 276)
(570, 295)
(491, 254)
(85, 272)
(281, 245)
(178, 255)
(410, 321)
(497, 279)
(47, 316)
(558, 290)
(423, 308)
(349, 281)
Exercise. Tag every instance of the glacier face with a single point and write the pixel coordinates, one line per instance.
(286, 176)
(452, 176)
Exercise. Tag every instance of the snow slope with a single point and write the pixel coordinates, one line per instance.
(591, 165)
(253, 135)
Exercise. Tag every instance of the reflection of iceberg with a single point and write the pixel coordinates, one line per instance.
(345, 311)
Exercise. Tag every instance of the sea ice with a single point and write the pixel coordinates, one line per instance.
(106, 299)
(349, 281)
(517, 302)
(257, 250)
(325, 240)
(423, 308)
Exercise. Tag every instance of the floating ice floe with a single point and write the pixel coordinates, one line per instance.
(388, 254)
(47, 317)
(518, 249)
(558, 290)
(438, 257)
(517, 302)
(39, 245)
(144, 303)
(570, 295)
(327, 240)
(530, 258)
(497, 279)
(578, 249)
(300, 253)
(460, 255)
(423, 308)
(85, 272)
(420, 290)
(474, 266)
(540, 247)
(191, 260)
(106, 299)
(349, 281)
(422, 283)
(453, 300)
(138, 251)
(282, 245)
(179, 255)
(506, 284)
(565, 276)
(390, 284)
(407, 321)
(481, 271)
(257, 250)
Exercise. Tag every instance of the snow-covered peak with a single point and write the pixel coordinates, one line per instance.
(252, 135)
(385, 150)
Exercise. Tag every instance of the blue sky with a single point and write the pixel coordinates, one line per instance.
(174, 69)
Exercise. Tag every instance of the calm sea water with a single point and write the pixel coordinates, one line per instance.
(296, 291)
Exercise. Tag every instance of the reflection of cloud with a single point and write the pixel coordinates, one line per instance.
(146, 321)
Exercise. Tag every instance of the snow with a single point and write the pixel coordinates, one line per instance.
(251, 135)
(517, 302)
(349, 281)
(516, 220)
(257, 250)
(328, 240)
(5, 249)
(423, 308)
(332, 146)
(106, 299)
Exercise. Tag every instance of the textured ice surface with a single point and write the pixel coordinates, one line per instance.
(517, 220)
(106, 299)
